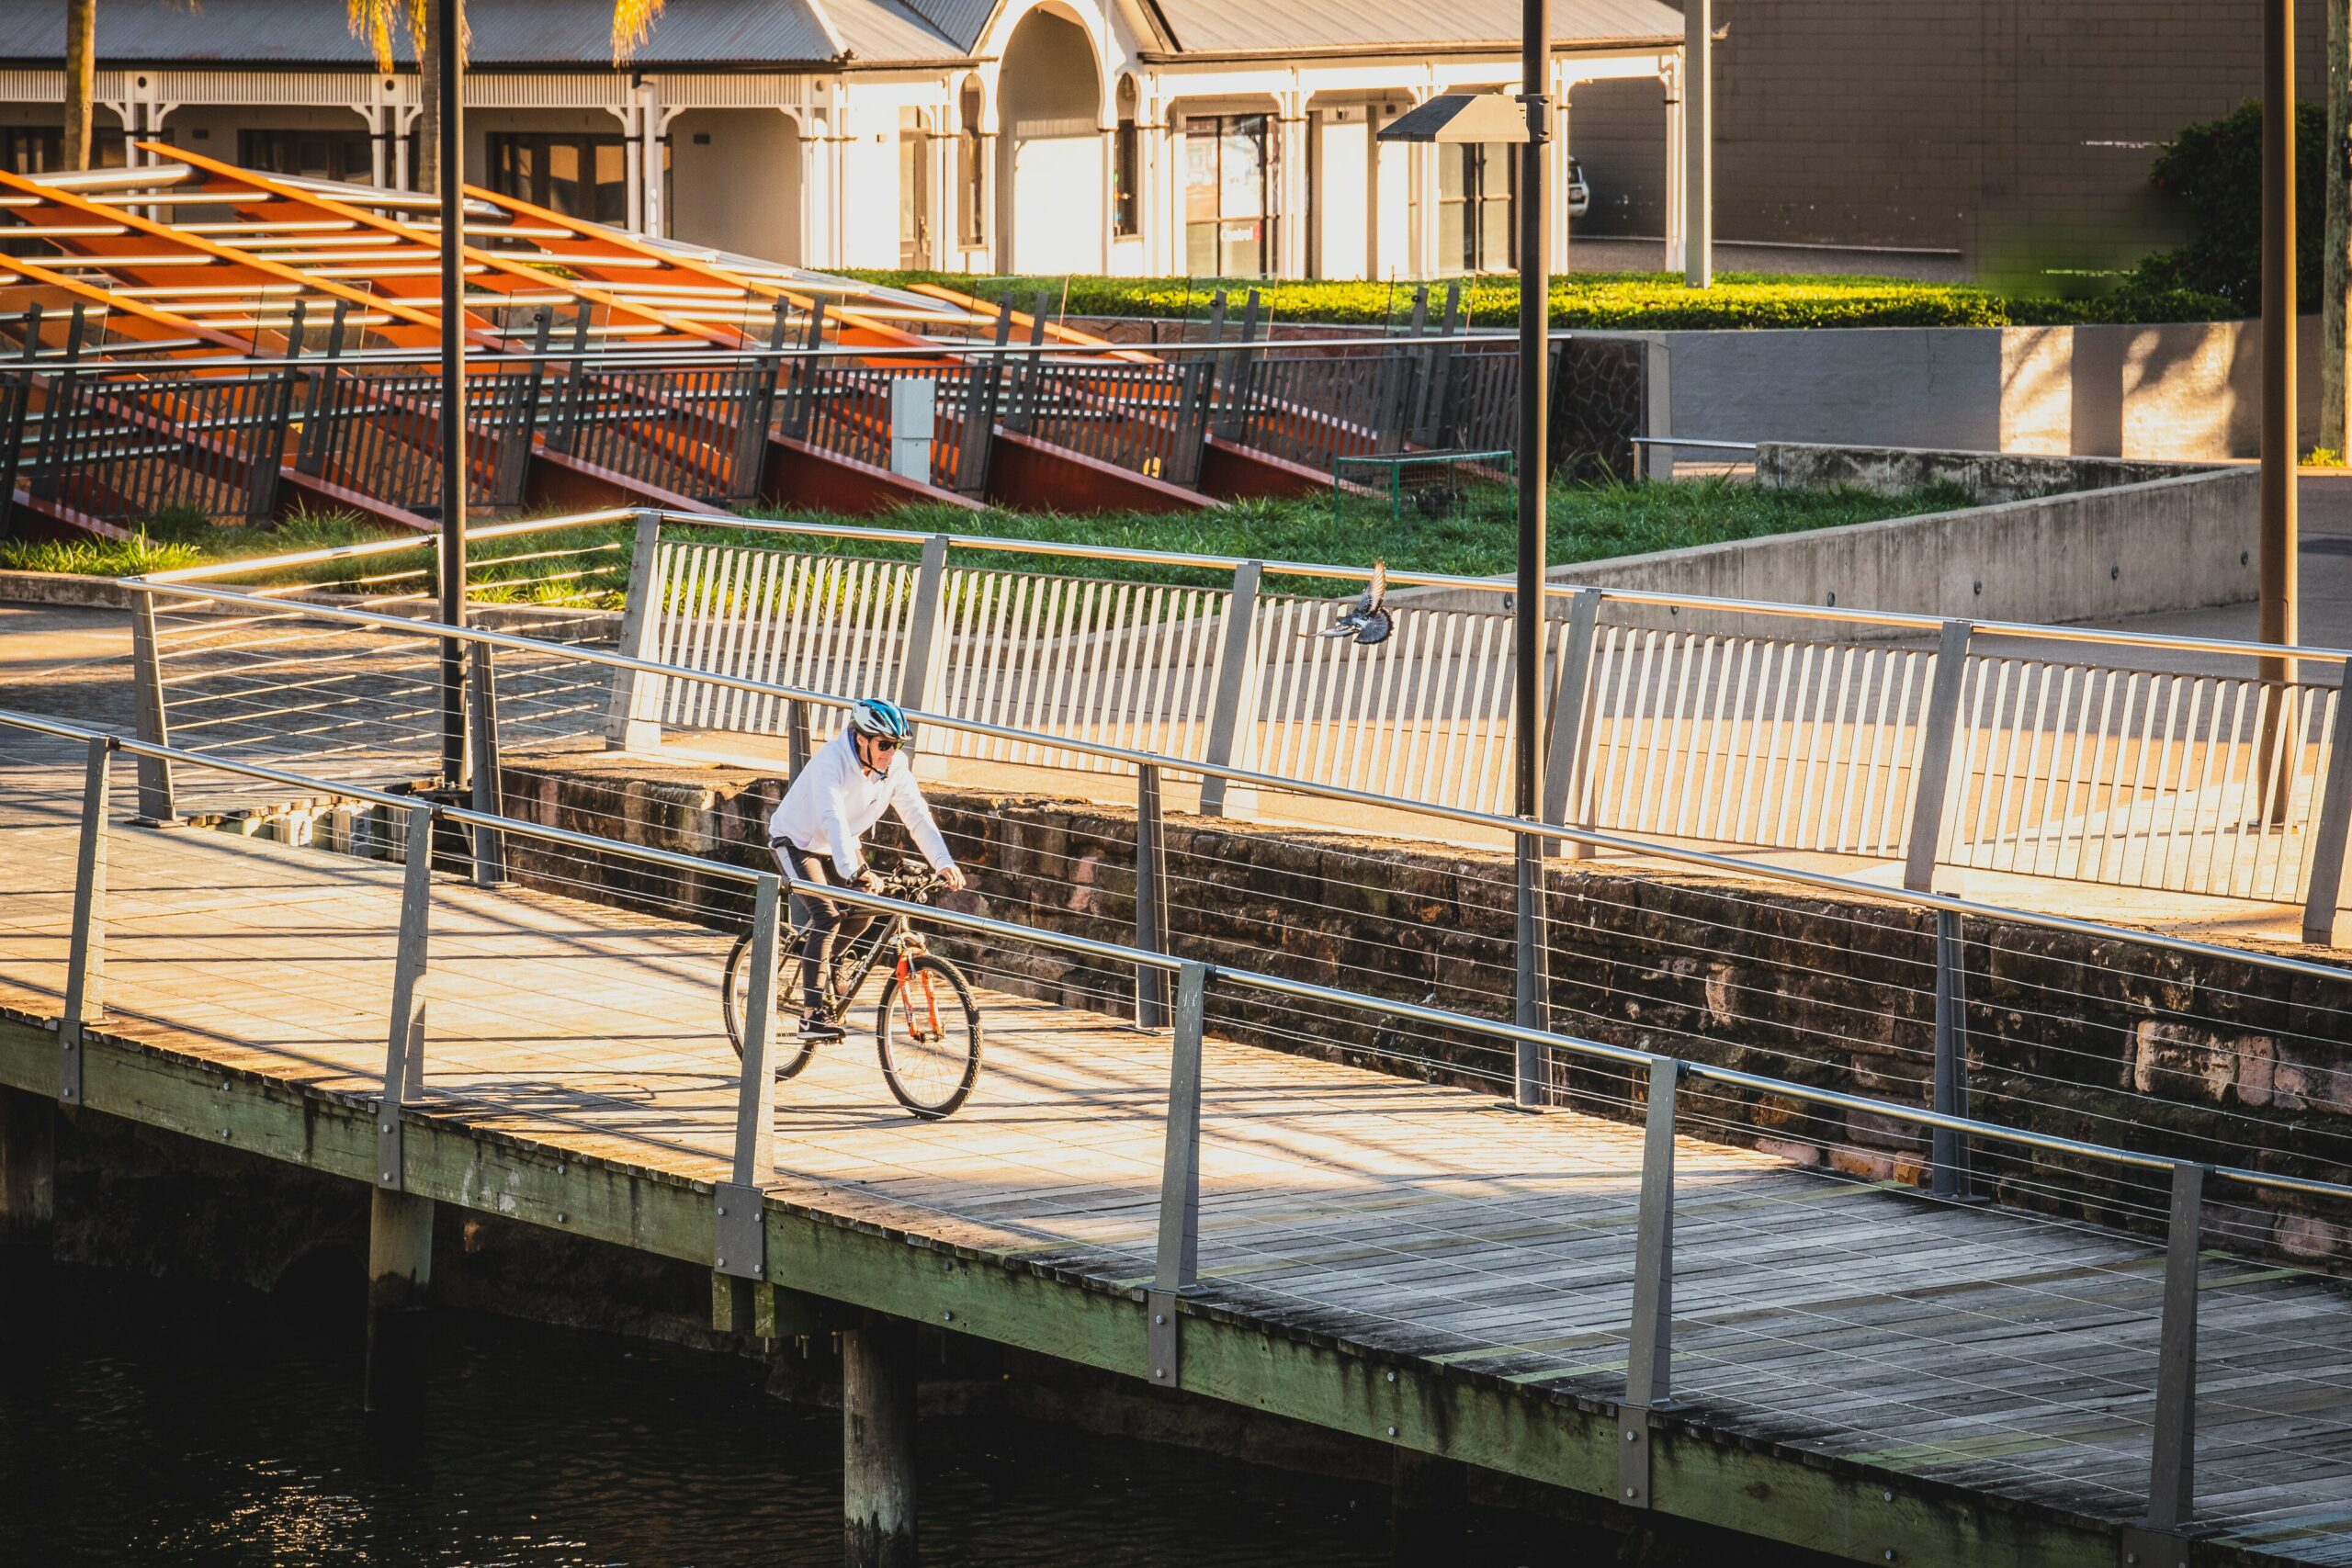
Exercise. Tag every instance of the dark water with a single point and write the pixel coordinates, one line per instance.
(161, 1426)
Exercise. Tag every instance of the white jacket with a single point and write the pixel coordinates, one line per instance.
(834, 800)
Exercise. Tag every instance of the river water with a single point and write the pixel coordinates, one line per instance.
(162, 1424)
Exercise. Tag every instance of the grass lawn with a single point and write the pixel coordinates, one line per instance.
(1588, 523)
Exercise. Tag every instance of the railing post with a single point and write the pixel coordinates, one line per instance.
(265, 443)
(86, 962)
(805, 372)
(523, 418)
(925, 647)
(488, 777)
(759, 412)
(404, 1040)
(634, 722)
(1572, 719)
(1649, 1353)
(1938, 737)
(15, 403)
(1151, 898)
(1020, 414)
(2171, 1480)
(157, 807)
(318, 409)
(796, 735)
(1177, 1268)
(1233, 420)
(2325, 896)
(739, 1246)
(1236, 695)
(48, 464)
(563, 430)
(1531, 991)
(982, 392)
(1950, 1175)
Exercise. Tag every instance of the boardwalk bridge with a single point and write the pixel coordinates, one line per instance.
(1627, 1296)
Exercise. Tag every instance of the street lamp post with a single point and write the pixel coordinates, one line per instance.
(1493, 118)
(451, 19)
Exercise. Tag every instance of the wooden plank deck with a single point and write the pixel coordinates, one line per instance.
(2003, 1353)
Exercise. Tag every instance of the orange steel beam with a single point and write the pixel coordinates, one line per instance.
(145, 323)
(501, 269)
(581, 233)
(230, 265)
(1053, 329)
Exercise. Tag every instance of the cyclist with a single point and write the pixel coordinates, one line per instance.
(817, 834)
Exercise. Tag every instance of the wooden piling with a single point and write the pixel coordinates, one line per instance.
(878, 1444)
(400, 1275)
(1429, 1504)
(28, 1202)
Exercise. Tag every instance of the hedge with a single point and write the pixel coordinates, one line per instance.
(1621, 301)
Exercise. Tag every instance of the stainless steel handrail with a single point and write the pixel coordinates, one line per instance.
(1397, 578)
(1246, 978)
(1828, 881)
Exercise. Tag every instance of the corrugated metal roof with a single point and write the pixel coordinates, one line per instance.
(505, 32)
(1253, 27)
(963, 20)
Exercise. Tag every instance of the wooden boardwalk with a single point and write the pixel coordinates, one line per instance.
(1829, 1334)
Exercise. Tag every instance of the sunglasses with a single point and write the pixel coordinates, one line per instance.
(884, 743)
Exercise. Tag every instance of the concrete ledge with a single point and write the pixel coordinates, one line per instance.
(63, 588)
(1990, 477)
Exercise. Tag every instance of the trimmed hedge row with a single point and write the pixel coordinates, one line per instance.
(1619, 302)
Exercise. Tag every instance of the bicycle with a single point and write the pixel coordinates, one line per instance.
(929, 1045)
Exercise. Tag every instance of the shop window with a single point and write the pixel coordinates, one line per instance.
(311, 154)
(1228, 230)
(574, 172)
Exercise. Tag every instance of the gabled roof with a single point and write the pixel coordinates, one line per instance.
(1306, 26)
(575, 33)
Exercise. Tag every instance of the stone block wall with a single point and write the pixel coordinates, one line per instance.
(2098, 1041)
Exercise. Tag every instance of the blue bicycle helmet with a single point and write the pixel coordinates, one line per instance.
(872, 716)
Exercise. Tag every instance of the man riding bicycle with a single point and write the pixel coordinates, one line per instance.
(819, 830)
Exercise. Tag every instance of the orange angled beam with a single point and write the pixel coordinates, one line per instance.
(504, 267)
(232, 263)
(144, 322)
(1054, 330)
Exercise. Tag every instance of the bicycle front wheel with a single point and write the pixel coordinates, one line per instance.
(927, 1033)
(789, 1052)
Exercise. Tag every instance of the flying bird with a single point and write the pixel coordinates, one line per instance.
(1367, 620)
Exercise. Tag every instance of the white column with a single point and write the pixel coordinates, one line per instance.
(403, 176)
(657, 183)
(943, 190)
(1699, 139)
(1676, 149)
(632, 117)
(1425, 250)
(1290, 239)
(1106, 140)
(1562, 85)
(379, 135)
(1171, 197)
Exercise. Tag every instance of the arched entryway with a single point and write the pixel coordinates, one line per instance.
(1049, 170)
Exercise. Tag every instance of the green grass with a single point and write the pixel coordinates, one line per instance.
(1603, 300)
(1588, 521)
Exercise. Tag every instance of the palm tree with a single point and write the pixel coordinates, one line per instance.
(380, 22)
(81, 67)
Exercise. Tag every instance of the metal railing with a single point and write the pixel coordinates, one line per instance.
(1180, 1272)
(1953, 744)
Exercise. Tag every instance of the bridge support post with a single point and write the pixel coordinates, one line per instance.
(796, 735)
(156, 806)
(1931, 780)
(400, 1273)
(28, 1208)
(1429, 1497)
(1570, 740)
(1178, 1265)
(878, 1445)
(2331, 827)
(85, 961)
(1950, 1175)
(1151, 898)
(633, 723)
(1236, 705)
(739, 1242)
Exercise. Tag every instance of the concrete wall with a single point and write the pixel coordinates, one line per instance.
(2176, 392)
(735, 182)
(1990, 477)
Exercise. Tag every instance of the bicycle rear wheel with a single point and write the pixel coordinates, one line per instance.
(790, 1052)
(927, 1033)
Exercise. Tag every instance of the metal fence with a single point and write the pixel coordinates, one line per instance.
(2147, 1332)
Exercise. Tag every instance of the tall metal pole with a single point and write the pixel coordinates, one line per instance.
(453, 385)
(1534, 365)
(2279, 591)
(1699, 143)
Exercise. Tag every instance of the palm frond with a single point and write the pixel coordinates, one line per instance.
(379, 22)
(632, 25)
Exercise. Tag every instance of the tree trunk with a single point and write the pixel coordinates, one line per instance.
(2335, 246)
(424, 166)
(81, 85)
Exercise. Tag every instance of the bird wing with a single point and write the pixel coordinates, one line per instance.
(1378, 589)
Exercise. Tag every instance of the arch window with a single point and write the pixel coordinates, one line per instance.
(972, 195)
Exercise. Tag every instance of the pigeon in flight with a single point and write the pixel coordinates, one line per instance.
(1367, 621)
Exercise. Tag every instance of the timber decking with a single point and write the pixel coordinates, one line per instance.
(2000, 1352)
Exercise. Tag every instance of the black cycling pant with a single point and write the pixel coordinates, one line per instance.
(830, 922)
